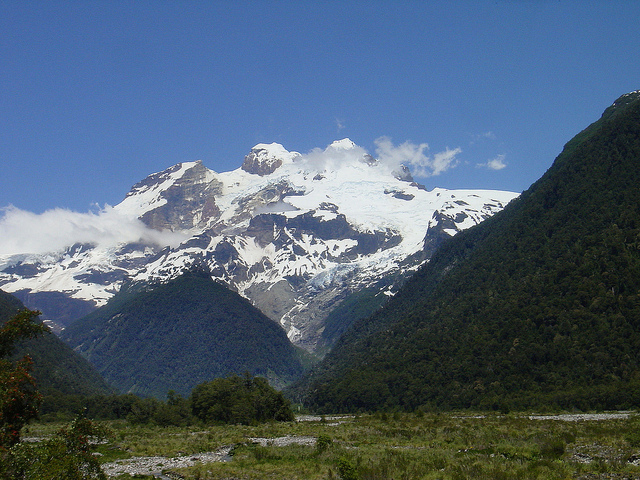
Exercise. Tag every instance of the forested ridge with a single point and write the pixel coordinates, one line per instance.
(175, 335)
(537, 306)
(58, 370)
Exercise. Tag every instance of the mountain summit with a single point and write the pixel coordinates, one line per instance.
(265, 159)
(295, 234)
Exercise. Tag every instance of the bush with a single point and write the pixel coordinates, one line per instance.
(67, 455)
(323, 443)
(347, 470)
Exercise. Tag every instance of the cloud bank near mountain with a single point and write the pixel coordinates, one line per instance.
(25, 232)
(416, 157)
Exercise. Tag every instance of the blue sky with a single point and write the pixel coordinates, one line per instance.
(96, 95)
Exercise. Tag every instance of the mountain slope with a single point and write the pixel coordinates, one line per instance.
(539, 305)
(295, 234)
(58, 370)
(179, 334)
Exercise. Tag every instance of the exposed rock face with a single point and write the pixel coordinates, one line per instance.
(403, 174)
(254, 164)
(190, 200)
(294, 234)
(265, 159)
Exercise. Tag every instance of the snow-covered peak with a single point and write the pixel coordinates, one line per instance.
(273, 150)
(293, 233)
(344, 144)
(265, 158)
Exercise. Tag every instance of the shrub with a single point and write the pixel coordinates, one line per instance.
(347, 470)
(323, 443)
(67, 455)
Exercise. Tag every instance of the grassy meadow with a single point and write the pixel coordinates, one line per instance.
(399, 446)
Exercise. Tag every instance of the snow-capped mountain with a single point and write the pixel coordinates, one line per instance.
(293, 233)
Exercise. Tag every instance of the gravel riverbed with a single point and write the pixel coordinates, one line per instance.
(155, 465)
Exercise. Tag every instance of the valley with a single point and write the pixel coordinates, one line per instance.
(530, 304)
(257, 240)
(426, 445)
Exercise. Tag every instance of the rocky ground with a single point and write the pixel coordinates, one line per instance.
(156, 465)
(577, 417)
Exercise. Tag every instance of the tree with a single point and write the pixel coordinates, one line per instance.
(19, 399)
(68, 454)
(246, 400)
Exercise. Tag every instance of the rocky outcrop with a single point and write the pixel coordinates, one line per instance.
(190, 201)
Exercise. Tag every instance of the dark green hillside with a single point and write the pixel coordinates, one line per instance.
(58, 370)
(355, 306)
(182, 333)
(539, 305)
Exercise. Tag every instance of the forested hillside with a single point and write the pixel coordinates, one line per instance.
(58, 370)
(537, 306)
(176, 335)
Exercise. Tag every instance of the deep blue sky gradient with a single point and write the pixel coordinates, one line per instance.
(96, 95)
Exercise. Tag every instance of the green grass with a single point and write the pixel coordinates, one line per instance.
(399, 446)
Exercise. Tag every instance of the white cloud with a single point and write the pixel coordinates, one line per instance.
(496, 163)
(415, 157)
(338, 153)
(26, 232)
(443, 161)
